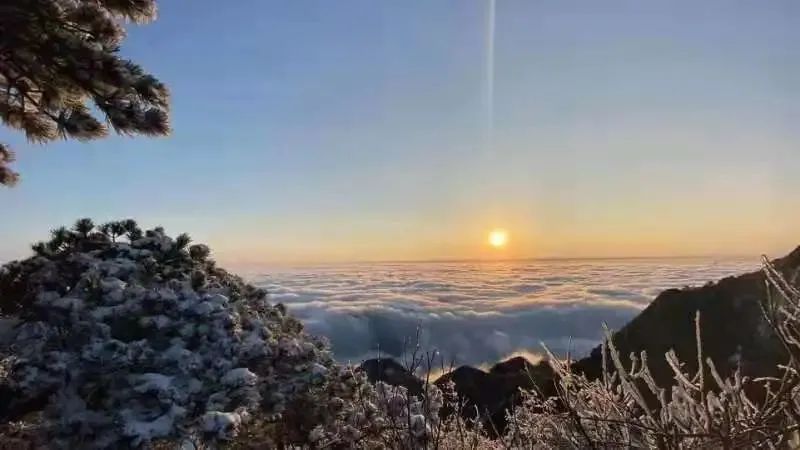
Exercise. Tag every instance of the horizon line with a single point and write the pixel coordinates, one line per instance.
(500, 260)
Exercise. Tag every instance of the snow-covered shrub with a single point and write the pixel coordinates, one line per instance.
(359, 413)
(354, 413)
(126, 337)
(346, 411)
(626, 409)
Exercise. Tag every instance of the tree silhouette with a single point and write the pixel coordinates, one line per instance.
(58, 58)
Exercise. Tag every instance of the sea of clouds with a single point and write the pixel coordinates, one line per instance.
(479, 312)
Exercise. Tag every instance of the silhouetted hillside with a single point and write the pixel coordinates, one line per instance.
(734, 331)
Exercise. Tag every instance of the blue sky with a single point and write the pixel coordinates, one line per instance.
(350, 130)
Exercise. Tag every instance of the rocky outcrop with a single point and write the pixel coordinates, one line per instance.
(391, 372)
(485, 395)
(488, 395)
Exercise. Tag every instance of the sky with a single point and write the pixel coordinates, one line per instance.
(312, 131)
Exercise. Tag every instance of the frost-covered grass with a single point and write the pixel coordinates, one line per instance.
(627, 409)
(116, 337)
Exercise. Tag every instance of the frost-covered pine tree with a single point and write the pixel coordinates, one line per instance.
(59, 57)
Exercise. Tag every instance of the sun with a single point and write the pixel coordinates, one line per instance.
(498, 238)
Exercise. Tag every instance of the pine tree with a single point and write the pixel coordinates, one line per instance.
(83, 227)
(60, 57)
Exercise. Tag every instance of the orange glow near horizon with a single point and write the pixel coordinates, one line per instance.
(545, 230)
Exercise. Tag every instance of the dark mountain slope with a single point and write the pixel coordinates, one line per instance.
(733, 329)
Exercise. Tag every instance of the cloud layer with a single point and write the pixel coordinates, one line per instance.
(479, 312)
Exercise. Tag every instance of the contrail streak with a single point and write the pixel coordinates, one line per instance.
(490, 33)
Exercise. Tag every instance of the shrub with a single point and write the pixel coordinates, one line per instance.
(124, 337)
(346, 411)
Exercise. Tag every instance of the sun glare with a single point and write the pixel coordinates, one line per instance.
(498, 238)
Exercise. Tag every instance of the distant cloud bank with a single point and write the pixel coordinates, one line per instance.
(477, 313)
